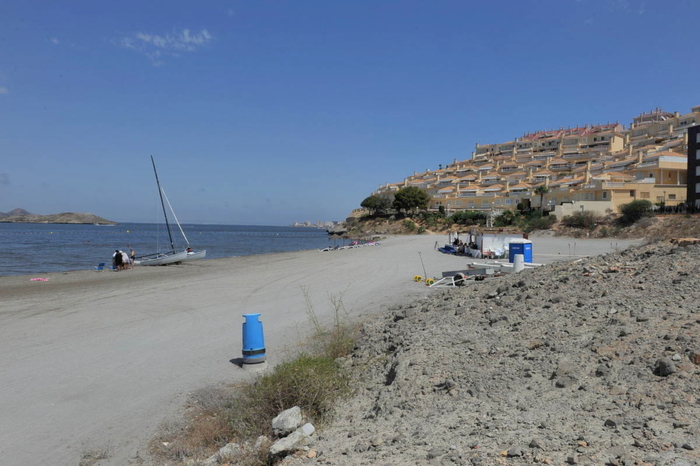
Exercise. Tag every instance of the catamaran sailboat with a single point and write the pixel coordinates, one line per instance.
(172, 256)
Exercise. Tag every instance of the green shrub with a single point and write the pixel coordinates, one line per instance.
(634, 211)
(507, 218)
(585, 219)
(421, 230)
(468, 217)
(409, 225)
(538, 223)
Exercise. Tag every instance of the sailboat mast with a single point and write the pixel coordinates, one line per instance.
(160, 193)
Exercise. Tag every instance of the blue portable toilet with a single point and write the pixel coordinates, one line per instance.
(520, 246)
(253, 340)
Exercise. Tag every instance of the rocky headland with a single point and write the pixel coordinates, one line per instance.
(591, 362)
(22, 216)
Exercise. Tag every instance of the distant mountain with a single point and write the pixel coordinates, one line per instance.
(22, 216)
(15, 212)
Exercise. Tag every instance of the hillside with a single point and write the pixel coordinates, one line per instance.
(652, 228)
(66, 217)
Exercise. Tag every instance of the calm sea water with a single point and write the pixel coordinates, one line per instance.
(36, 248)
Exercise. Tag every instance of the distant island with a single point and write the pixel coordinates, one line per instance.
(22, 216)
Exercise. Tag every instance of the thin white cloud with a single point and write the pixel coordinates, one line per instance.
(54, 40)
(4, 90)
(155, 46)
(230, 12)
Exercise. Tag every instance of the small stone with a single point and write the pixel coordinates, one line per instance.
(515, 451)
(676, 357)
(664, 367)
(612, 422)
(434, 453)
(535, 443)
(688, 446)
(312, 454)
(695, 357)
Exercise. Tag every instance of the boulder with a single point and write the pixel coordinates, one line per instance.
(287, 421)
(294, 441)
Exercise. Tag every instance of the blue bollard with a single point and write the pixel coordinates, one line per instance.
(253, 340)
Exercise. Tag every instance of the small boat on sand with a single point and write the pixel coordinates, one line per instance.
(173, 256)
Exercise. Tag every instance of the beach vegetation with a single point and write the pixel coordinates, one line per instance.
(432, 220)
(507, 218)
(634, 211)
(537, 222)
(92, 456)
(409, 225)
(468, 217)
(410, 200)
(313, 380)
(541, 191)
(586, 220)
(377, 205)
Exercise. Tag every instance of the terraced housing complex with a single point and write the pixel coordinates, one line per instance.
(593, 167)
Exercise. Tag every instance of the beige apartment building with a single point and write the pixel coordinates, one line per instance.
(593, 167)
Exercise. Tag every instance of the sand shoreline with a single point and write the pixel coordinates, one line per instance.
(94, 357)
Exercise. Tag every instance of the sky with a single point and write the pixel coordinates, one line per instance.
(265, 112)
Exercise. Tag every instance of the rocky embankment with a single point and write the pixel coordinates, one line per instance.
(589, 362)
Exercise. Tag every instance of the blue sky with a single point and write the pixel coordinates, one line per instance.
(268, 112)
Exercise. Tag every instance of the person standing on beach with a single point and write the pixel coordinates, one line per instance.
(125, 260)
(132, 256)
(117, 260)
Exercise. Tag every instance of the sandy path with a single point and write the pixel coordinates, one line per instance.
(100, 359)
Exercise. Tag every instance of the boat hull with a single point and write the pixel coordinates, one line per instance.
(164, 259)
(193, 256)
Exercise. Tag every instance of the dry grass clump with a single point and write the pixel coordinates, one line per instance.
(91, 456)
(313, 383)
(203, 429)
(313, 380)
(337, 339)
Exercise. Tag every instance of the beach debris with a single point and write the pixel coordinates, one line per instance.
(38, 279)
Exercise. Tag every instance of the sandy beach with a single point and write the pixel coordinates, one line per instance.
(99, 359)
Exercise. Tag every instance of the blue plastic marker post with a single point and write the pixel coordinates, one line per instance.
(253, 340)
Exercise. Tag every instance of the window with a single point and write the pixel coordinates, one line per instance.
(672, 196)
(458, 203)
(644, 195)
(605, 194)
(632, 193)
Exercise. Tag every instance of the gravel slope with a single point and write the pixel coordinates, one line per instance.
(592, 361)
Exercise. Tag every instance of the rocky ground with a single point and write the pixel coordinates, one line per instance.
(589, 362)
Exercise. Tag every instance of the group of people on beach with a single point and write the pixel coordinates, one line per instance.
(122, 261)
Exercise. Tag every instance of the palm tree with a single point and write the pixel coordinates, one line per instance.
(541, 190)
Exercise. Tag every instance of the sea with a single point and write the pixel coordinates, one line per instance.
(31, 248)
